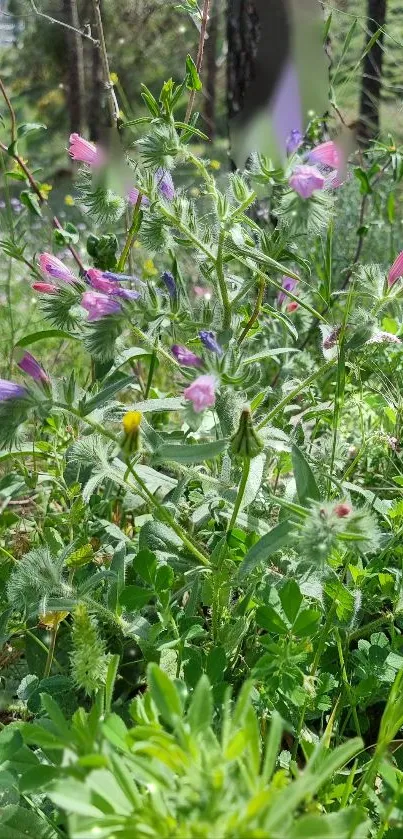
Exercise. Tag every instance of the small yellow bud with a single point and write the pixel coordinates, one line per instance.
(215, 164)
(69, 200)
(149, 268)
(52, 619)
(131, 422)
(114, 78)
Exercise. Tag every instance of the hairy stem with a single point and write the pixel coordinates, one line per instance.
(241, 491)
(199, 60)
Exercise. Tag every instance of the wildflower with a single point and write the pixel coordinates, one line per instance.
(99, 305)
(200, 291)
(342, 510)
(46, 288)
(384, 338)
(169, 281)
(55, 268)
(69, 200)
(305, 180)
(52, 619)
(209, 340)
(114, 78)
(126, 293)
(294, 141)
(186, 357)
(97, 280)
(85, 152)
(149, 268)
(30, 365)
(201, 393)
(292, 307)
(10, 390)
(327, 153)
(165, 184)
(288, 284)
(131, 426)
(215, 165)
(16, 205)
(396, 271)
(330, 340)
(393, 442)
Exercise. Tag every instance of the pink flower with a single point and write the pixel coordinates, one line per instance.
(98, 281)
(384, 338)
(186, 357)
(54, 267)
(46, 288)
(29, 365)
(292, 307)
(327, 153)
(85, 152)
(201, 393)
(396, 271)
(133, 196)
(288, 284)
(305, 180)
(342, 510)
(99, 305)
(200, 291)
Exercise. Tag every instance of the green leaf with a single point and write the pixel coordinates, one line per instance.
(185, 453)
(82, 556)
(145, 563)
(306, 623)
(307, 489)
(105, 395)
(10, 742)
(268, 545)
(200, 711)
(22, 823)
(164, 694)
(134, 598)
(291, 599)
(31, 201)
(343, 598)
(28, 127)
(216, 664)
(43, 335)
(193, 81)
(269, 619)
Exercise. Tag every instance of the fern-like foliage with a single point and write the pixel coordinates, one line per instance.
(57, 308)
(35, 577)
(13, 412)
(160, 147)
(100, 337)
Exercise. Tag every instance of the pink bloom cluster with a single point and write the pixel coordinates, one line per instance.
(83, 151)
(307, 178)
(201, 393)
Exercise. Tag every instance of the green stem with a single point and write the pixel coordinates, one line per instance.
(51, 650)
(150, 375)
(255, 314)
(241, 491)
(154, 348)
(290, 396)
(131, 234)
(346, 683)
(226, 321)
(384, 826)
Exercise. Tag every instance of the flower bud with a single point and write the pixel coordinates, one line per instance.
(131, 426)
(246, 442)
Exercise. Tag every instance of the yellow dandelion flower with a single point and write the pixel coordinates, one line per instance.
(131, 421)
(69, 200)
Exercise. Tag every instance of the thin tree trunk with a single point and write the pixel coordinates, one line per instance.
(95, 117)
(242, 36)
(210, 52)
(369, 121)
(76, 81)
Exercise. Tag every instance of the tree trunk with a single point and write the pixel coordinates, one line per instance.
(75, 81)
(210, 53)
(242, 36)
(95, 116)
(372, 74)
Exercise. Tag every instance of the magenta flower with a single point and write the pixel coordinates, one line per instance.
(294, 141)
(165, 184)
(97, 280)
(305, 180)
(288, 284)
(85, 152)
(326, 153)
(99, 305)
(126, 293)
(201, 393)
(186, 357)
(46, 288)
(10, 390)
(54, 267)
(30, 365)
(396, 271)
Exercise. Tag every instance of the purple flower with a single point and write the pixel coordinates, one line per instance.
(122, 278)
(169, 281)
(384, 338)
(133, 195)
(209, 340)
(396, 271)
(288, 284)
(305, 180)
(165, 184)
(201, 393)
(29, 365)
(294, 141)
(54, 267)
(126, 293)
(97, 280)
(99, 305)
(186, 357)
(10, 390)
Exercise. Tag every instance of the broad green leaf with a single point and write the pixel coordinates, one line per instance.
(306, 623)
(22, 823)
(193, 81)
(28, 127)
(10, 742)
(291, 599)
(134, 598)
(265, 548)
(185, 453)
(164, 694)
(105, 395)
(216, 664)
(307, 489)
(269, 619)
(200, 711)
(253, 483)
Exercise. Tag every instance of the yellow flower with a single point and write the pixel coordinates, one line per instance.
(215, 164)
(131, 421)
(69, 200)
(52, 619)
(149, 268)
(45, 189)
(114, 78)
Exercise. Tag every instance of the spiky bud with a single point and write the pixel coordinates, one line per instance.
(246, 443)
(89, 661)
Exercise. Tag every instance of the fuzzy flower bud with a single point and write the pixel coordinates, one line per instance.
(209, 341)
(45, 288)
(169, 281)
(186, 357)
(165, 184)
(29, 365)
(288, 284)
(54, 267)
(99, 305)
(294, 141)
(10, 390)
(246, 443)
